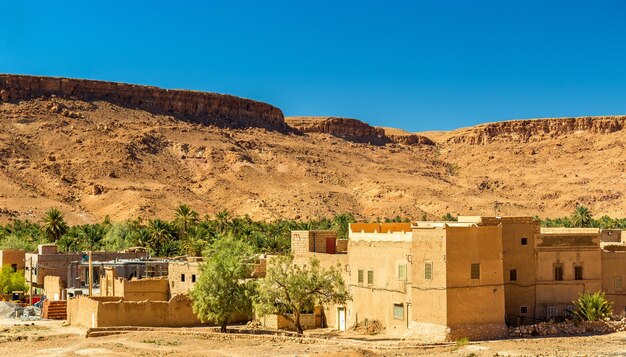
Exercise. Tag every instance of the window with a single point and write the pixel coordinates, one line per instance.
(193, 278)
(172, 283)
(523, 309)
(360, 276)
(428, 270)
(14, 267)
(513, 275)
(524, 241)
(558, 272)
(370, 277)
(182, 277)
(475, 271)
(402, 272)
(618, 283)
(398, 311)
(578, 272)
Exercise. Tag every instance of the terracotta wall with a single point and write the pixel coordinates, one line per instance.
(12, 257)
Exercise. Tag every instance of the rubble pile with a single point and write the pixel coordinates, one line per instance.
(570, 327)
(367, 327)
(13, 310)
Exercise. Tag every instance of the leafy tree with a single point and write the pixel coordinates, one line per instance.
(289, 289)
(11, 281)
(449, 217)
(161, 236)
(185, 218)
(581, 217)
(224, 286)
(223, 221)
(54, 226)
(592, 306)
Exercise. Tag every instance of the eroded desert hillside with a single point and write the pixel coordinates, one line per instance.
(97, 149)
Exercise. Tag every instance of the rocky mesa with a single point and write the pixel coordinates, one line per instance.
(199, 107)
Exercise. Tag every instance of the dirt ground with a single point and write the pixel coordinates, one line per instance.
(51, 338)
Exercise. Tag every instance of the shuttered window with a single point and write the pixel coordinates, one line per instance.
(370, 277)
(360, 276)
(428, 270)
(402, 272)
(475, 271)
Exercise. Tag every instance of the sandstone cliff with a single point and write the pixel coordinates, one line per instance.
(193, 106)
(354, 130)
(523, 131)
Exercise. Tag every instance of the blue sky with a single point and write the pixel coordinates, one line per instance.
(417, 65)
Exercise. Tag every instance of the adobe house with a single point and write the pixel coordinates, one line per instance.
(49, 261)
(12, 258)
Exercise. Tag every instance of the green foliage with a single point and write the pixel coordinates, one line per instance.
(581, 217)
(11, 281)
(462, 341)
(293, 289)
(54, 226)
(592, 306)
(449, 217)
(224, 288)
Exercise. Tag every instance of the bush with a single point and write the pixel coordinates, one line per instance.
(592, 307)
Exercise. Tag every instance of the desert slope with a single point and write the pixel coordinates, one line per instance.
(94, 156)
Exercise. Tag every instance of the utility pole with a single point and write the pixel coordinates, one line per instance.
(30, 269)
(90, 276)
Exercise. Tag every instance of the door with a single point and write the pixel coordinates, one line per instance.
(341, 312)
(331, 246)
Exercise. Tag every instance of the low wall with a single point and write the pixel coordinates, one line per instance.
(112, 311)
(280, 322)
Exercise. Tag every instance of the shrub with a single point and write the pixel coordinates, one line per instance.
(592, 307)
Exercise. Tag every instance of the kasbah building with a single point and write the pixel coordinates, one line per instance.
(446, 280)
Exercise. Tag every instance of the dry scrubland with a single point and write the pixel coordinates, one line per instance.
(49, 338)
(93, 159)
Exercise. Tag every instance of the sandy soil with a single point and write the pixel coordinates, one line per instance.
(50, 338)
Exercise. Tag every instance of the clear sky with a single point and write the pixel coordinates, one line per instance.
(417, 65)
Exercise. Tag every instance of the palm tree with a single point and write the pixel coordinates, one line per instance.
(185, 218)
(54, 227)
(92, 235)
(581, 217)
(160, 234)
(223, 219)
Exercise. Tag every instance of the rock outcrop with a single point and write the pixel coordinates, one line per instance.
(353, 130)
(536, 129)
(194, 106)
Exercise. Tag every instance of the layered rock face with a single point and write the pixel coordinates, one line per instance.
(536, 129)
(353, 130)
(199, 107)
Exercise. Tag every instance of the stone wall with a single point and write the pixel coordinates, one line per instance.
(280, 322)
(182, 276)
(200, 107)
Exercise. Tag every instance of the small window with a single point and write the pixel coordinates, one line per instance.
(370, 277)
(172, 283)
(475, 271)
(578, 272)
(558, 272)
(402, 272)
(398, 311)
(14, 267)
(428, 270)
(513, 275)
(182, 277)
(193, 278)
(360, 276)
(618, 283)
(523, 309)
(524, 241)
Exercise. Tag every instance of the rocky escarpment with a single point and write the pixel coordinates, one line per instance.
(536, 129)
(353, 130)
(199, 107)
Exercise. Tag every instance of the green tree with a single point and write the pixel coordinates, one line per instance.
(161, 237)
(11, 281)
(54, 226)
(185, 218)
(581, 217)
(592, 306)
(224, 287)
(91, 236)
(223, 220)
(289, 289)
